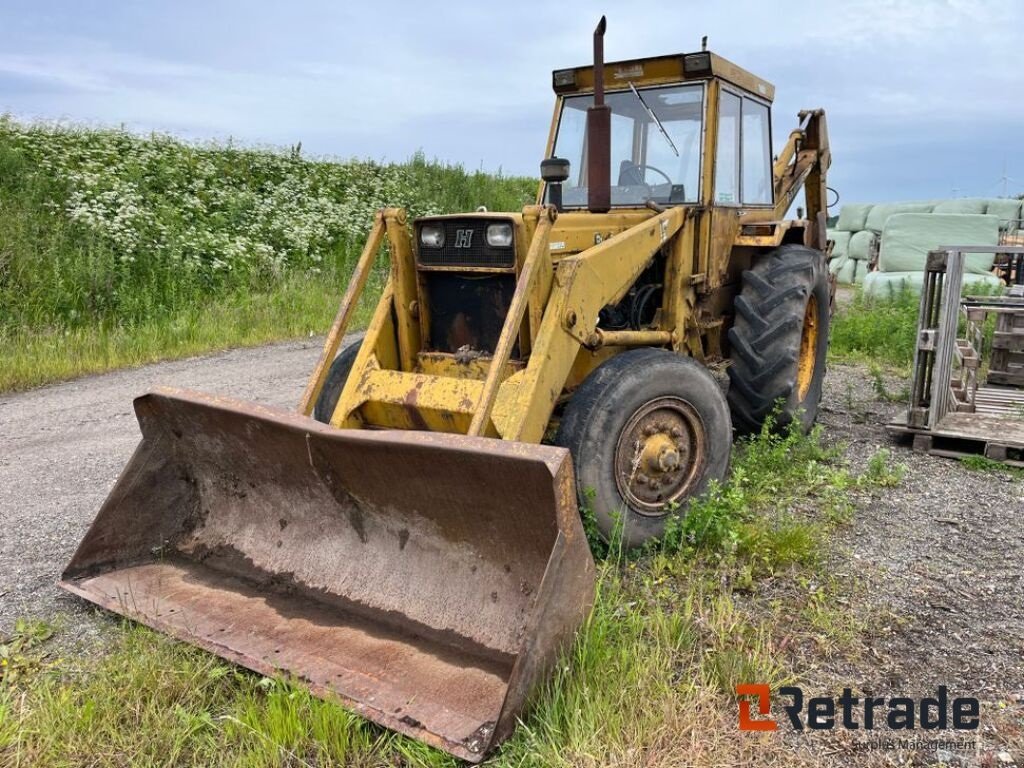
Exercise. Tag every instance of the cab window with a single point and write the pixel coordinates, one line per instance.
(743, 167)
(655, 145)
(727, 154)
(757, 153)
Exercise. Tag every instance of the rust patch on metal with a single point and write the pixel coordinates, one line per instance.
(409, 404)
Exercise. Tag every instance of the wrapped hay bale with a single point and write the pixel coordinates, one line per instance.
(837, 263)
(889, 285)
(1006, 210)
(880, 213)
(861, 272)
(885, 285)
(852, 217)
(908, 237)
(846, 272)
(842, 242)
(961, 205)
(860, 245)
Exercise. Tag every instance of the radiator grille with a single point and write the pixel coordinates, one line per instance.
(465, 245)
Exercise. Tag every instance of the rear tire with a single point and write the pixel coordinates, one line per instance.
(334, 383)
(779, 340)
(648, 431)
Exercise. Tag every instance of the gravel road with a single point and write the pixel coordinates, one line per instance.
(62, 447)
(939, 558)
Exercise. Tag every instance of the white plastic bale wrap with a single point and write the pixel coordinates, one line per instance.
(889, 285)
(837, 263)
(853, 216)
(841, 242)
(1007, 210)
(961, 205)
(908, 237)
(861, 273)
(880, 213)
(860, 245)
(846, 273)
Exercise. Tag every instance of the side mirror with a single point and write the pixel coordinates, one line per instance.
(553, 172)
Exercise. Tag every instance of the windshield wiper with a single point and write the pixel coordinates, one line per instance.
(654, 117)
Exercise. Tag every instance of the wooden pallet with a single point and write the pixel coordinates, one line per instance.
(1000, 401)
(1007, 363)
(998, 438)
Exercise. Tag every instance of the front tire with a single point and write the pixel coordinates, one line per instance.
(779, 340)
(337, 375)
(648, 431)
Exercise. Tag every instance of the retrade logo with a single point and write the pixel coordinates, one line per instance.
(823, 713)
(763, 695)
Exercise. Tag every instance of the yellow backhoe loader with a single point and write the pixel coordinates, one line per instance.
(409, 540)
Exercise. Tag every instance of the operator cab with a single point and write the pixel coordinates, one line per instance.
(660, 133)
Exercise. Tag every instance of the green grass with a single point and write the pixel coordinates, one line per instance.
(984, 464)
(117, 249)
(649, 679)
(875, 331)
(299, 306)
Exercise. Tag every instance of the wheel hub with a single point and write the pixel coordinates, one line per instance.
(659, 455)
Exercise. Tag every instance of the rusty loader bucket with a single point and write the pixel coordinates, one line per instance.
(426, 580)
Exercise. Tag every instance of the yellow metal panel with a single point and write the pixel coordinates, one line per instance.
(576, 231)
(738, 76)
(661, 70)
(539, 386)
(416, 401)
(725, 223)
(445, 364)
(403, 273)
(757, 231)
(586, 361)
(679, 295)
(377, 350)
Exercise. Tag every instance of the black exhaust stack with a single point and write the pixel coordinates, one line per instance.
(599, 132)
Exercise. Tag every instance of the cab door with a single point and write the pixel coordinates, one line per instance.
(741, 174)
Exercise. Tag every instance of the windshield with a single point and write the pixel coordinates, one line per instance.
(655, 140)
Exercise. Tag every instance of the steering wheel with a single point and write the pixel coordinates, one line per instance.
(643, 168)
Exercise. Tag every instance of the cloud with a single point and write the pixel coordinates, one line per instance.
(469, 86)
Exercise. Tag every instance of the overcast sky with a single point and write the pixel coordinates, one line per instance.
(925, 99)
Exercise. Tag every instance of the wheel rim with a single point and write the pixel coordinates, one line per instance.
(660, 455)
(808, 349)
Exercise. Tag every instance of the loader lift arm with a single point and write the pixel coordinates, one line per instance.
(804, 162)
(585, 283)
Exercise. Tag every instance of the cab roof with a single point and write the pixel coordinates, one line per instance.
(662, 70)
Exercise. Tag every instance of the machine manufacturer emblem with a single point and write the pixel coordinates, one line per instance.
(463, 238)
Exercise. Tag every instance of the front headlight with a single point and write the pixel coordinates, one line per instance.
(499, 235)
(432, 235)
